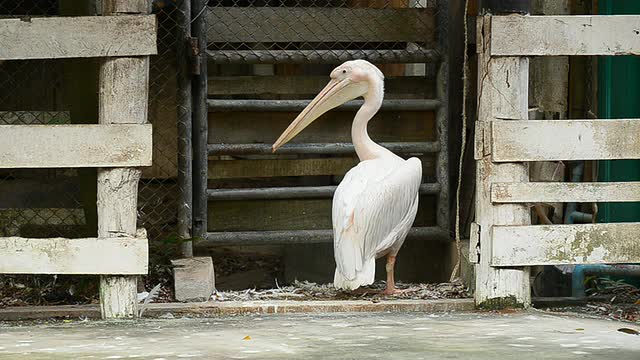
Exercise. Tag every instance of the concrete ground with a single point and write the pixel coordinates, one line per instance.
(521, 336)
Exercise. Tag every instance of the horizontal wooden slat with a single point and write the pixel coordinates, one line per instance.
(224, 169)
(265, 127)
(290, 214)
(122, 255)
(263, 168)
(565, 192)
(57, 146)
(306, 85)
(565, 35)
(546, 140)
(565, 244)
(319, 24)
(77, 37)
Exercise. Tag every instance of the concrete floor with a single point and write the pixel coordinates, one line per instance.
(530, 335)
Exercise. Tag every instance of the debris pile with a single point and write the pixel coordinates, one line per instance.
(304, 290)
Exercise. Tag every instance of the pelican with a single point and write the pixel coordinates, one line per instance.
(375, 204)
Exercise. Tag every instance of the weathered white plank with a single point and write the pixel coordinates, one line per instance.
(124, 99)
(547, 192)
(565, 35)
(58, 146)
(503, 90)
(77, 37)
(566, 244)
(121, 255)
(544, 140)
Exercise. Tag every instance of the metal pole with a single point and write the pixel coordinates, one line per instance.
(213, 239)
(200, 120)
(299, 105)
(185, 155)
(322, 56)
(442, 114)
(319, 148)
(296, 192)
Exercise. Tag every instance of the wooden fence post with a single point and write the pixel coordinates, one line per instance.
(123, 91)
(503, 95)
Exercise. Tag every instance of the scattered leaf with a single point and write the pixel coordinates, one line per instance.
(579, 329)
(629, 331)
(246, 337)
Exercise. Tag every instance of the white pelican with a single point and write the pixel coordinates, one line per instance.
(375, 204)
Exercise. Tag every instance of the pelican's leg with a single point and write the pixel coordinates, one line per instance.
(391, 283)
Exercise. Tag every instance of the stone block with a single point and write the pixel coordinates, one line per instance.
(194, 278)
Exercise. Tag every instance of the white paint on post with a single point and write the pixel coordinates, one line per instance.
(59, 146)
(503, 85)
(547, 192)
(544, 140)
(77, 37)
(565, 35)
(566, 244)
(123, 255)
(123, 91)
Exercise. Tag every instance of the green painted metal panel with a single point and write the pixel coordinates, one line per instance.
(619, 97)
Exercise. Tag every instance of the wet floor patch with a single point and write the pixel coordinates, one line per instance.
(532, 335)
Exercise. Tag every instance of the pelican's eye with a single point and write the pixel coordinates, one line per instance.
(344, 71)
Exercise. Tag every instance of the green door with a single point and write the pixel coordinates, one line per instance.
(619, 97)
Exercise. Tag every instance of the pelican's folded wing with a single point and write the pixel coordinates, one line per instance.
(369, 206)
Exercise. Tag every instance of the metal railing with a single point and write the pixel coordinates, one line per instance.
(238, 38)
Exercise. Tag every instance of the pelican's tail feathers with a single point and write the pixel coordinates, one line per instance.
(364, 277)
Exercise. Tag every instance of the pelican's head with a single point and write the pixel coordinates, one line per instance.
(348, 81)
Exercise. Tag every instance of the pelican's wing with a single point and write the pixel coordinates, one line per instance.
(371, 202)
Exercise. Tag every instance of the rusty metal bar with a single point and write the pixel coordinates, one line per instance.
(298, 105)
(214, 239)
(299, 192)
(443, 172)
(319, 148)
(185, 131)
(419, 55)
(200, 118)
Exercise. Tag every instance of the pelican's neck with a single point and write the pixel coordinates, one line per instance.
(365, 147)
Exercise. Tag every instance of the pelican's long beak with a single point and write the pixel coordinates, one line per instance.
(336, 93)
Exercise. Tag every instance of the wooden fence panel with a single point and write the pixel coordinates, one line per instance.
(77, 37)
(59, 146)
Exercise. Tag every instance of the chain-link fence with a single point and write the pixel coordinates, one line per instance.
(321, 31)
(62, 202)
(267, 59)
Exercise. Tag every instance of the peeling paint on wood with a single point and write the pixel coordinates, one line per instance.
(544, 192)
(77, 37)
(124, 99)
(565, 35)
(58, 146)
(566, 244)
(120, 255)
(503, 85)
(547, 140)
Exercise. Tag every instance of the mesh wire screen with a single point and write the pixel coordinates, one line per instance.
(320, 31)
(61, 202)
